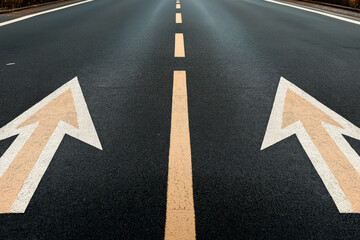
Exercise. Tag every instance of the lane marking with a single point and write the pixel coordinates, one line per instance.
(178, 6)
(9, 64)
(320, 132)
(40, 131)
(180, 213)
(40, 13)
(178, 18)
(177, 1)
(179, 45)
(315, 11)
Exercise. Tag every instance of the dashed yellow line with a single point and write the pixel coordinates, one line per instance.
(180, 213)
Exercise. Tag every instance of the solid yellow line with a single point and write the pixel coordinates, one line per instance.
(178, 6)
(178, 18)
(179, 45)
(180, 214)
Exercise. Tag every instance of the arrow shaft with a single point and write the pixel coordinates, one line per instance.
(344, 172)
(15, 176)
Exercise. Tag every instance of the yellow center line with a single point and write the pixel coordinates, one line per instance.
(177, 1)
(178, 6)
(179, 45)
(178, 18)
(180, 213)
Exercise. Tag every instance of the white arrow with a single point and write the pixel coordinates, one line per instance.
(40, 131)
(320, 132)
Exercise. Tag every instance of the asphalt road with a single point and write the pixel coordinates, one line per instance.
(122, 52)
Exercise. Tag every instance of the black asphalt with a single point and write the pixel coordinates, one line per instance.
(236, 52)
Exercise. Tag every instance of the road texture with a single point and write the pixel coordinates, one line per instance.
(236, 51)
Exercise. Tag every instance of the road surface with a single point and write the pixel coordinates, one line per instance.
(235, 52)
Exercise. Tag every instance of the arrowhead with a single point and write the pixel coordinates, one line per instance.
(320, 132)
(294, 110)
(298, 109)
(62, 108)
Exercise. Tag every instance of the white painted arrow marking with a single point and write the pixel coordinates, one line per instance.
(320, 132)
(40, 131)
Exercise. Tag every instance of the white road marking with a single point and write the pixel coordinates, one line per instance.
(327, 163)
(9, 64)
(40, 13)
(85, 131)
(315, 11)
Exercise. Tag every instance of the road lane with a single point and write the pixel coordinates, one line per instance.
(118, 50)
(237, 51)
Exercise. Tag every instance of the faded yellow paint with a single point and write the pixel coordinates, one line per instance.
(61, 108)
(178, 6)
(180, 214)
(297, 108)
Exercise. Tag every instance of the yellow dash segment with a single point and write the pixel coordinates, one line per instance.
(177, 1)
(178, 6)
(178, 18)
(179, 45)
(180, 213)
